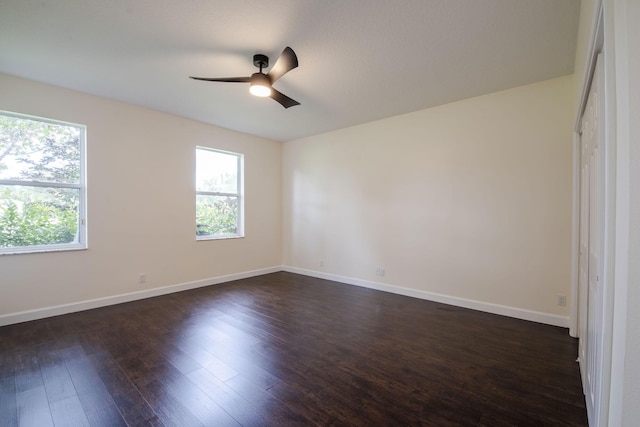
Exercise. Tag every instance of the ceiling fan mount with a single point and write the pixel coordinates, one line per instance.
(261, 83)
(261, 61)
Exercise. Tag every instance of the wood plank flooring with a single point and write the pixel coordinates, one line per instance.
(287, 350)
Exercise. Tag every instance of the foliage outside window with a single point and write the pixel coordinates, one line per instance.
(42, 192)
(218, 194)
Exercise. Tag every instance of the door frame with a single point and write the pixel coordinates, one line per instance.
(601, 43)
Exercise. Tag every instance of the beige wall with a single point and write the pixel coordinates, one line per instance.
(141, 203)
(470, 199)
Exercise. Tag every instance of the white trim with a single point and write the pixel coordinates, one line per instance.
(623, 409)
(218, 237)
(41, 249)
(518, 313)
(43, 184)
(596, 44)
(608, 243)
(25, 316)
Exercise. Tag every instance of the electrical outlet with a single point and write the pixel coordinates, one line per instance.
(379, 271)
(143, 278)
(562, 300)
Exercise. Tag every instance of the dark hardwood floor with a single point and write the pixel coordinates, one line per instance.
(283, 350)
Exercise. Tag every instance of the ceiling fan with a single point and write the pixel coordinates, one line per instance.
(262, 84)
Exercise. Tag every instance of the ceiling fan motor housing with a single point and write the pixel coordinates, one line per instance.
(260, 84)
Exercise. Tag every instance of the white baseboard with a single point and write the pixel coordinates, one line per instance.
(518, 313)
(25, 316)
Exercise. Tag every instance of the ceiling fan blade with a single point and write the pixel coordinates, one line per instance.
(283, 99)
(285, 63)
(224, 79)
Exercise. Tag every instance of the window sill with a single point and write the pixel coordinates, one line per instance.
(40, 249)
(223, 237)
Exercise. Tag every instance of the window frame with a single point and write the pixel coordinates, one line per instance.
(239, 195)
(81, 186)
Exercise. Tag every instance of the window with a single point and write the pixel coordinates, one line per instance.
(219, 204)
(42, 185)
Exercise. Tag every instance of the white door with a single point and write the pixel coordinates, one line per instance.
(583, 253)
(590, 246)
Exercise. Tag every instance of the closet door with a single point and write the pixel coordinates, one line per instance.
(591, 304)
(583, 253)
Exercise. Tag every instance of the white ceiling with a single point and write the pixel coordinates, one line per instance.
(360, 60)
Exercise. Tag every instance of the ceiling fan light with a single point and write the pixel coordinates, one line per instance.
(260, 90)
(260, 85)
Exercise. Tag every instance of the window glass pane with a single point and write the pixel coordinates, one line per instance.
(39, 151)
(216, 172)
(32, 216)
(216, 215)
